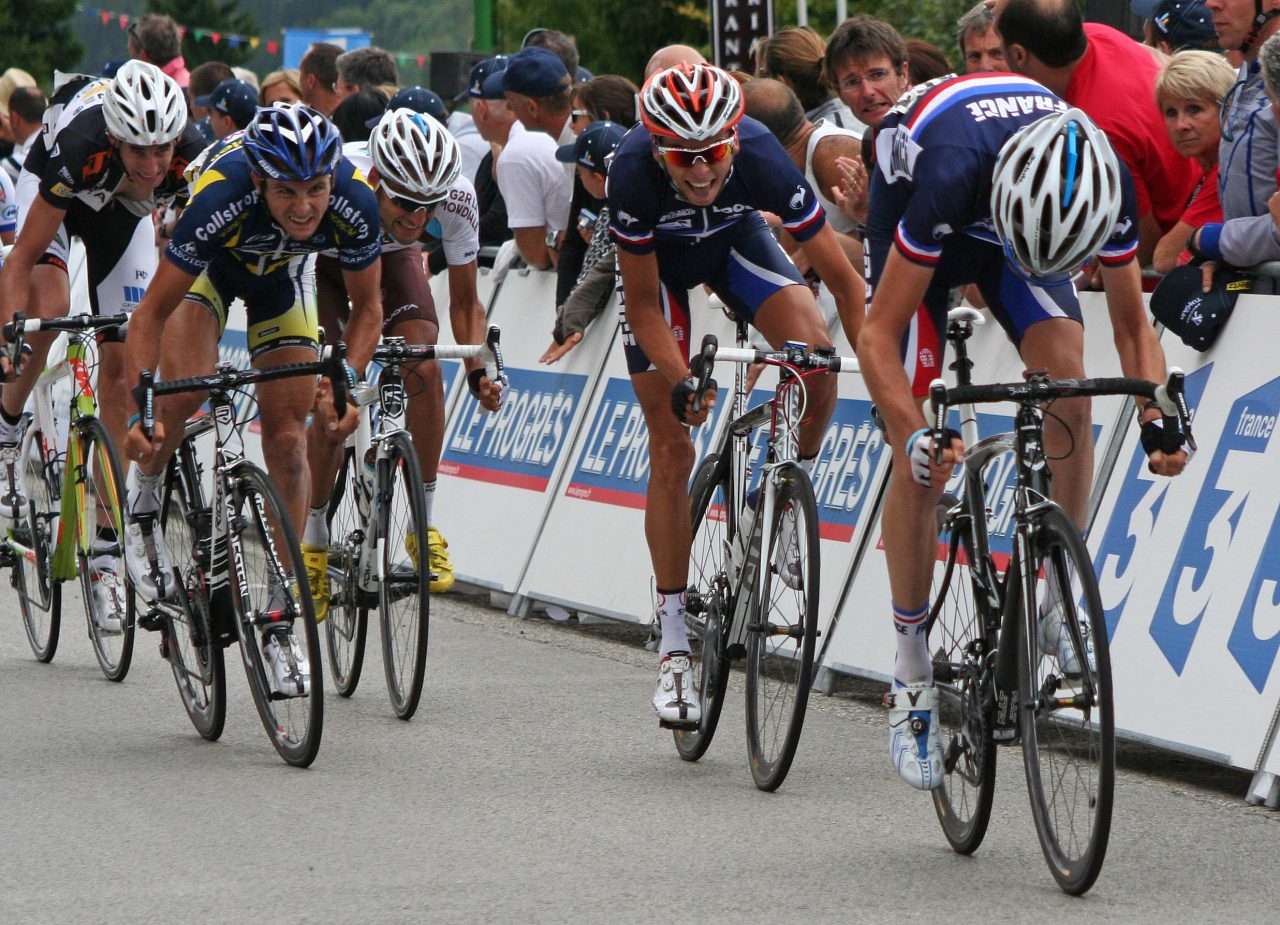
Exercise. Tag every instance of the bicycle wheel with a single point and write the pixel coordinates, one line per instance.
(39, 596)
(346, 626)
(269, 589)
(782, 630)
(1068, 729)
(105, 586)
(960, 644)
(403, 598)
(710, 602)
(190, 642)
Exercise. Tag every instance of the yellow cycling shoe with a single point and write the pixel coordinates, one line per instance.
(438, 561)
(316, 559)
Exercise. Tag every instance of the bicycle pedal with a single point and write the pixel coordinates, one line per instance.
(681, 727)
(151, 621)
(736, 650)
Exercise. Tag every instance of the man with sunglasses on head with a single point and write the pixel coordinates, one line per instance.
(685, 192)
(414, 167)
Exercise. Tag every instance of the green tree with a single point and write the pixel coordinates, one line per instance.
(224, 17)
(40, 40)
(931, 20)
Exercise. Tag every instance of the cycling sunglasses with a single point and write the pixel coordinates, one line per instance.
(409, 204)
(685, 158)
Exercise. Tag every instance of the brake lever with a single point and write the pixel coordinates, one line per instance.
(705, 363)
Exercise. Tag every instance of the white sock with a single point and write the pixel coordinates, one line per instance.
(675, 638)
(144, 492)
(10, 433)
(808, 464)
(316, 531)
(429, 490)
(912, 664)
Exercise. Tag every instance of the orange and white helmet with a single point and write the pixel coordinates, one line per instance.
(690, 101)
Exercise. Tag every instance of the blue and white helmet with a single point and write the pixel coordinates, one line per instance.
(292, 142)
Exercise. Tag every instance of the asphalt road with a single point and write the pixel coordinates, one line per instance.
(535, 786)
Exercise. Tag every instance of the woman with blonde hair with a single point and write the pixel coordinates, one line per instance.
(1189, 93)
(281, 87)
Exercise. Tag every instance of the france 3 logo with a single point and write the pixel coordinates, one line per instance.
(521, 444)
(1227, 562)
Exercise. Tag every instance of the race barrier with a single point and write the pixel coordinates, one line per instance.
(543, 504)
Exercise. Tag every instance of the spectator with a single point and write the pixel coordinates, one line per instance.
(866, 62)
(1247, 160)
(231, 106)
(204, 80)
(248, 76)
(471, 144)
(420, 100)
(559, 44)
(154, 38)
(595, 282)
(358, 113)
(493, 120)
(794, 57)
(535, 186)
(1110, 77)
(370, 68)
(318, 77)
(1189, 94)
(926, 61)
(26, 110)
(1179, 24)
(610, 98)
(670, 56)
(281, 87)
(10, 81)
(980, 49)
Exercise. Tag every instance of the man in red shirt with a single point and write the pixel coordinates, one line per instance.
(1112, 78)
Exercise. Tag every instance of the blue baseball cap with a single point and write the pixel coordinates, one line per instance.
(593, 147)
(1144, 8)
(482, 72)
(1185, 24)
(533, 72)
(583, 75)
(233, 97)
(420, 100)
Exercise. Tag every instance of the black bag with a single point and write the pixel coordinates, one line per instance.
(1196, 316)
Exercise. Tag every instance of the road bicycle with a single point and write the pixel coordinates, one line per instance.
(237, 567)
(1005, 672)
(75, 510)
(378, 530)
(753, 579)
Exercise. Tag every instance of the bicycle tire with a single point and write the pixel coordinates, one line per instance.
(269, 587)
(347, 624)
(960, 645)
(100, 488)
(39, 596)
(404, 600)
(1068, 751)
(782, 630)
(711, 602)
(190, 641)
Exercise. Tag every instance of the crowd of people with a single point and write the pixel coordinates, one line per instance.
(856, 182)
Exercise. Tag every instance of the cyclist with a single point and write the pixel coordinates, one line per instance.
(685, 191)
(413, 165)
(112, 152)
(262, 202)
(989, 179)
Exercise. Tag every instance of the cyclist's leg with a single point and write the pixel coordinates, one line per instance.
(324, 450)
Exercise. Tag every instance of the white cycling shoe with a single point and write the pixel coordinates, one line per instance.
(1055, 641)
(915, 744)
(141, 550)
(13, 491)
(108, 596)
(290, 672)
(676, 698)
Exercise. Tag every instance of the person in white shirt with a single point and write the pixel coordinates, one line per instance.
(22, 125)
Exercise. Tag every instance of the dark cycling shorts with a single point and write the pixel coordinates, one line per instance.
(405, 293)
(1014, 302)
(744, 266)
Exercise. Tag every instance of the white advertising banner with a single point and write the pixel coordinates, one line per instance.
(499, 471)
(1189, 567)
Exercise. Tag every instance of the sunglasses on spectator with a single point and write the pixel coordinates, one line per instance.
(685, 158)
(408, 203)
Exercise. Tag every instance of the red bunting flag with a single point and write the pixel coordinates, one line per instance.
(106, 17)
(124, 21)
(217, 37)
(422, 61)
(272, 46)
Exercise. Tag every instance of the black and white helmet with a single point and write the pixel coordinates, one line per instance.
(144, 106)
(416, 153)
(1056, 193)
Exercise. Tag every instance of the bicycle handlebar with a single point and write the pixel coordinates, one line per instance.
(21, 325)
(1171, 397)
(490, 351)
(799, 356)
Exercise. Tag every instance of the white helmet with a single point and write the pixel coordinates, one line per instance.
(1055, 193)
(416, 153)
(691, 101)
(144, 105)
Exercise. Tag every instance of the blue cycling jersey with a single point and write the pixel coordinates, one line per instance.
(226, 220)
(646, 211)
(935, 156)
